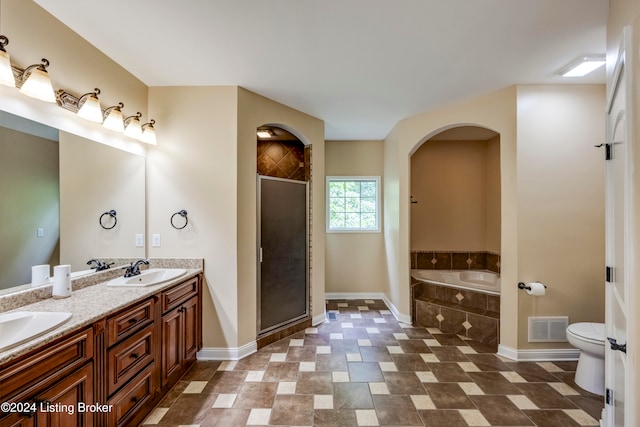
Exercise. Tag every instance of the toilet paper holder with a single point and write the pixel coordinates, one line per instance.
(522, 285)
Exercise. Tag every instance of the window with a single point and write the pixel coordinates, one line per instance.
(353, 204)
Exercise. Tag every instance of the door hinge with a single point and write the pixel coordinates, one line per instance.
(608, 152)
(260, 255)
(608, 396)
(608, 274)
(617, 347)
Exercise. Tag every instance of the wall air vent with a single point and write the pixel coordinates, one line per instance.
(548, 329)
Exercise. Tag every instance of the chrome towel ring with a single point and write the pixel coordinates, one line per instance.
(109, 214)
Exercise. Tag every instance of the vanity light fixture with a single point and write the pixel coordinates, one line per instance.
(113, 119)
(149, 133)
(132, 126)
(582, 66)
(36, 82)
(6, 73)
(89, 106)
(265, 133)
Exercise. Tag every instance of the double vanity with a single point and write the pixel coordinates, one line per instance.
(106, 355)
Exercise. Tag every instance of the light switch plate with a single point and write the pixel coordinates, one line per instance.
(40, 232)
(155, 240)
(139, 240)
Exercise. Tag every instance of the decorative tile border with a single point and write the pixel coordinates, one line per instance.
(455, 260)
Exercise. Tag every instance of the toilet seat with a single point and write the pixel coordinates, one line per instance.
(587, 331)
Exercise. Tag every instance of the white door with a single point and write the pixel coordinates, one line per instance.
(618, 243)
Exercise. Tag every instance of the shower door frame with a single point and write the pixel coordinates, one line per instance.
(307, 311)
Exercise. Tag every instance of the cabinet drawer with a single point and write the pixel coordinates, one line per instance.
(130, 320)
(129, 357)
(46, 366)
(137, 393)
(178, 294)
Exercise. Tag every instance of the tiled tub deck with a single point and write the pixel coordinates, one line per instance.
(469, 313)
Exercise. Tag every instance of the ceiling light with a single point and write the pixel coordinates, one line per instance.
(132, 126)
(582, 66)
(149, 133)
(113, 119)
(6, 73)
(90, 108)
(264, 133)
(36, 82)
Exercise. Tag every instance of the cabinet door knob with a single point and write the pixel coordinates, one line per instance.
(133, 355)
(132, 321)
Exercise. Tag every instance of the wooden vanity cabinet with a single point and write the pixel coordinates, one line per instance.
(181, 330)
(60, 374)
(128, 360)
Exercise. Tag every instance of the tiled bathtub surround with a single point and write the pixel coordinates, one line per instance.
(24, 295)
(455, 260)
(464, 312)
(282, 159)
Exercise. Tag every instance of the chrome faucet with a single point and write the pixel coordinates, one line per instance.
(99, 266)
(134, 268)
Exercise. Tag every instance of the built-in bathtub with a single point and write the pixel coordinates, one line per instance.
(463, 302)
(482, 281)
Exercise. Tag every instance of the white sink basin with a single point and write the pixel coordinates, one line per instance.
(152, 276)
(21, 326)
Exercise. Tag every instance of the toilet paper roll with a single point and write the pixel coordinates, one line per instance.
(61, 281)
(536, 289)
(40, 275)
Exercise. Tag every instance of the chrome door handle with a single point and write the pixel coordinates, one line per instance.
(616, 346)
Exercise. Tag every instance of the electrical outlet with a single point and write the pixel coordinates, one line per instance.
(40, 232)
(139, 240)
(155, 240)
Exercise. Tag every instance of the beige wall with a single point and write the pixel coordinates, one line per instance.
(355, 262)
(194, 168)
(561, 202)
(493, 195)
(621, 14)
(254, 111)
(206, 165)
(29, 189)
(496, 111)
(96, 178)
(451, 182)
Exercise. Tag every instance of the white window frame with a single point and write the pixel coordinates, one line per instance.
(378, 213)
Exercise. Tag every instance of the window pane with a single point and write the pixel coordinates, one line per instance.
(352, 204)
(368, 220)
(352, 220)
(368, 189)
(336, 189)
(336, 220)
(352, 188)
(368, 205)
(336, 204)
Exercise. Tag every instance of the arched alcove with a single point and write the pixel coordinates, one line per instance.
(455, 220)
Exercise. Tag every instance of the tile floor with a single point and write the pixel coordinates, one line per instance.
(364, 368)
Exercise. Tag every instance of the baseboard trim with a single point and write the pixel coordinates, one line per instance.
(320, 318)
(539, 355)
(230, 353)
(404, 318)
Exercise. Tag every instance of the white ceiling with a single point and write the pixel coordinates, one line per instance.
(359, 65)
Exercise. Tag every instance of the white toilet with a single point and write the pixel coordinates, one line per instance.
(589, 339)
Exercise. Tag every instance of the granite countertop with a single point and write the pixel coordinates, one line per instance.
(87, 305)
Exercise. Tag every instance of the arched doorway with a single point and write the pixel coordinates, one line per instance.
(283, 233)
(455, 227)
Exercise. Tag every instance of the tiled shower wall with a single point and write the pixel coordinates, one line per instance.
(455, 260)
(283, 159)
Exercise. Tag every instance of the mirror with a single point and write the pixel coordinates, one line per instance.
(54, 187)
